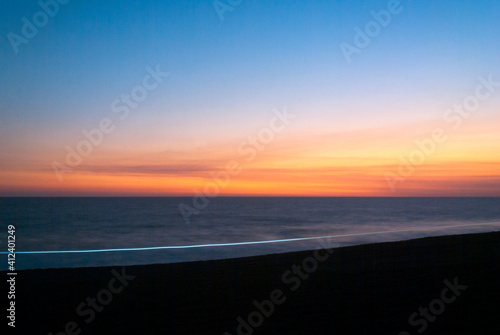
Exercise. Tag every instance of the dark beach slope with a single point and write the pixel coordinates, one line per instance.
(368, 289)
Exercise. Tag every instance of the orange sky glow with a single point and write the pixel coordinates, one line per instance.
(354, 163)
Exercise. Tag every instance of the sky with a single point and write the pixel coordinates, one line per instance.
(280, 98)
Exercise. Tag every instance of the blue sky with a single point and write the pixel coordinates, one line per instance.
(277, 52)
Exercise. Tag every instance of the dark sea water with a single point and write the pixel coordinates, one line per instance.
(61, 224)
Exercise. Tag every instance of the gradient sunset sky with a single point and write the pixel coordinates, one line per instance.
(354, 122)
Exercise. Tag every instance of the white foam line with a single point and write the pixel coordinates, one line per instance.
(245, 243)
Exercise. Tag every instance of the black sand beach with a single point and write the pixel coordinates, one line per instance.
(446, 285)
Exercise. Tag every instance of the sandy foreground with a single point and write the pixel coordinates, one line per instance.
(438, 285)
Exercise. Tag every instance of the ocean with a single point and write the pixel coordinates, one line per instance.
(60, 225)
